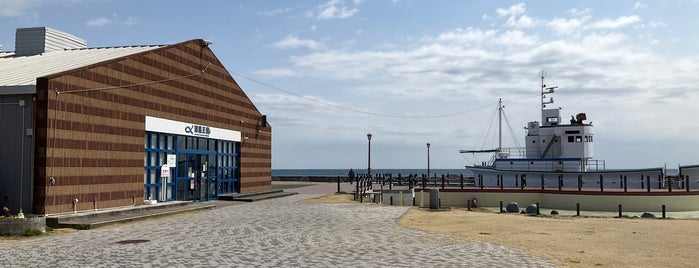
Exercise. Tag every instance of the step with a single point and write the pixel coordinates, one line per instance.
(251, 197)
(90, 219)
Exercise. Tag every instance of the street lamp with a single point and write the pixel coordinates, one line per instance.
(428, 160)
(368, 136)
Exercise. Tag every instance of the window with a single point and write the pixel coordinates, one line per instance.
(552, 119)
(578, 138)
(571, 138)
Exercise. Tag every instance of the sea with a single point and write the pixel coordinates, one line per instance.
(344, 172)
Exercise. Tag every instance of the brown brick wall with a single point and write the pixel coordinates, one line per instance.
(92, 141)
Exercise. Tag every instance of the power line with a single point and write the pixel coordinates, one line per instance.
(356, 110)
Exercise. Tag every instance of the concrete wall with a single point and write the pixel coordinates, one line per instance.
(92, 142)
(678, 201)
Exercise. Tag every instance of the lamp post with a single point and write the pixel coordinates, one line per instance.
(428, 160)
(368, 170)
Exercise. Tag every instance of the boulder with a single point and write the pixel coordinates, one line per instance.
(554, 212)
(531, 209)
(512, 207)
(647, 215)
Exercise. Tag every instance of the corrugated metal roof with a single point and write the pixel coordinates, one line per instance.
(22, 71)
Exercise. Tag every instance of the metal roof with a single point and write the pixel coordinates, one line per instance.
(18, 74)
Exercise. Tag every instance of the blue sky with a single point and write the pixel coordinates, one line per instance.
(413, 72)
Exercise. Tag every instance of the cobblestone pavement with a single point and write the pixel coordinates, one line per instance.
(281, 232)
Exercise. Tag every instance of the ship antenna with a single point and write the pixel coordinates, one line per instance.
(545, 90)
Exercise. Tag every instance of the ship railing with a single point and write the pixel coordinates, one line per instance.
(595, 165)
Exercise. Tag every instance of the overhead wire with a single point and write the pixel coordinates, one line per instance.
(356, 110)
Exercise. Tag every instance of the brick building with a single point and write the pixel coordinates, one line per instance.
(84, 128)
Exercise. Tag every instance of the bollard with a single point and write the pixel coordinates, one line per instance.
(625, 186)
(686, 182)
(537, 208)
(579, 183)
(669, 184)
(500, 206)
(502, 180)
(338, 184)
(439, 203)
(601, 183)
(391, 198)
(468, 204)
(577, 209)
(663, 211)
(461, 178)
(413, 201)
(442, 181)
(619, 210)
(648, 183)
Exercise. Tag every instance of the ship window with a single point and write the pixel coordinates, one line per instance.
(571, 139)
(590, 138)
(533, 141)
(552, 119)
(587, 138)
(578, 138)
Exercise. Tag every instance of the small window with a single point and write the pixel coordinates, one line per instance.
(552, 119)
(571, 139)
(587, 138)
(578, 138)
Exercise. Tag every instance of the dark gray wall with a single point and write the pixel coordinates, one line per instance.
(16, 152)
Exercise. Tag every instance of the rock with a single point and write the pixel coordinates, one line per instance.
(554, 212)
(512, 207)
(531, 209)
(647, 215)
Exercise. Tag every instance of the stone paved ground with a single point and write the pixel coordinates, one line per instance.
(283, 232)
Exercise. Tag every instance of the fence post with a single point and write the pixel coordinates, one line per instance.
(647, 182)
(542, 182)
(579, 183)
(625, 186)
(502, 182)
(663, 211)
(669, 184)
(642, 182)
(480, 180)
(686, 182)
(577, 209)
(516, 180)
(442, 181)
(560, 182)
(660, 181)
(461, 178)
(619, 210)
(601, 183)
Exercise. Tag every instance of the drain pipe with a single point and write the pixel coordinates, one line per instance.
(75, 205)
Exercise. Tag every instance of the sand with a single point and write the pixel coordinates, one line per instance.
(566, 241)
(572, 241)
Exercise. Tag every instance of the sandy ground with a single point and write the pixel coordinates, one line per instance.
(564, 240)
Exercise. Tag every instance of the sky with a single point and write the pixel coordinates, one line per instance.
(412, 72)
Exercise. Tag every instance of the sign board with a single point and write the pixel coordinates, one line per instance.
(172, 160)
(165, 171)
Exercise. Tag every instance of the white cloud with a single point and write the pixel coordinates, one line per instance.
(275, 72)
(639, 5)
(293, 42)
(335, 9)
(523, 21)
(14, 8)
(577, 12)
(516, 38)
(615, 24)
(513, 10)
(130, 21)
(273, 12)
(566, 26)
(100, 21)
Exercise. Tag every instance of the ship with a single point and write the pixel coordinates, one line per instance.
(558, 154)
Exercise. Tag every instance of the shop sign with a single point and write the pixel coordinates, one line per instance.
(198, 130)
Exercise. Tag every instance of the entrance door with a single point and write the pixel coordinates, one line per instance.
(196, 177)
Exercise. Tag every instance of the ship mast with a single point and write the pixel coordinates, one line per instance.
(500, 125)
(545, 90)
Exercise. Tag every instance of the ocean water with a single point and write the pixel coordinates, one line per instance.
(343, 172)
